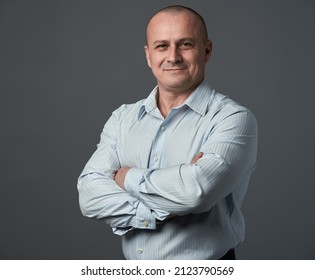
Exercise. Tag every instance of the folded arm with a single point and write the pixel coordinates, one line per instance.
(229, 157)
(128, 198)
(101, 198)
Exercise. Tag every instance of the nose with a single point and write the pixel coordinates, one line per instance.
(174, 55)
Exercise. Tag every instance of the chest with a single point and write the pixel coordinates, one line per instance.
(160, 143)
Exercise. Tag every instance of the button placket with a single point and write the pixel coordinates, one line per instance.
(157, 147)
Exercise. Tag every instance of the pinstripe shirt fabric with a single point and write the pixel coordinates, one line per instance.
(172, 209)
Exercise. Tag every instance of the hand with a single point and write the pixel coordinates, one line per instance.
(120, 176)
(196, 157)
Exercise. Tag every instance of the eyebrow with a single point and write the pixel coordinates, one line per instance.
(159, 42)
(178, 41)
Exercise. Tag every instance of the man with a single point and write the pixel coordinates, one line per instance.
(170, 172)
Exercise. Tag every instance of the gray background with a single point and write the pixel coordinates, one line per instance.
(66, 65)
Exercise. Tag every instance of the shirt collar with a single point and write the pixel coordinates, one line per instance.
(197, 101)
(149, 104)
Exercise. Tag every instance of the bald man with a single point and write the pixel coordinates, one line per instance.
(171, 171)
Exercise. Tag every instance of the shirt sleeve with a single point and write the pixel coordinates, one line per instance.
(99, 195)
(229, 158)
(133, 179)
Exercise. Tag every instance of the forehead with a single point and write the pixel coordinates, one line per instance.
(174, 24)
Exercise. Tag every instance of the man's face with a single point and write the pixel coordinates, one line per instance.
(177, 51)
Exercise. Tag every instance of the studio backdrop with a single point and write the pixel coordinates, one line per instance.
(66, 65)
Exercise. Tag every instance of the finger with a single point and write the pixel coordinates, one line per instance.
(197, 157)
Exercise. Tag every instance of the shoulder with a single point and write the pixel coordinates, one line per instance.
(225, 105)
(128, 110)
(224, 109)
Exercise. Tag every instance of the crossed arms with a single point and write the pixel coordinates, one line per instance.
(126, 197)
(120, 175)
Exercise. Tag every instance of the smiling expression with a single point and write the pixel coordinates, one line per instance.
(177, 50)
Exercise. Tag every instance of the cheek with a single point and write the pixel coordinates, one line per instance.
(152, 61)
(198, 64)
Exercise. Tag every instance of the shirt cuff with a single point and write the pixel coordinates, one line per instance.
(133, 179)
(161, 215)
(144, 218)
(121, 231)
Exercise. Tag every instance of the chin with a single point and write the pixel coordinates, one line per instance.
(177, 83)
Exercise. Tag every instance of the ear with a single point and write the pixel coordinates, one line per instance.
(208, 50)
(147, 55)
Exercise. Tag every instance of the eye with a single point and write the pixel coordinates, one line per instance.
(161, 47)
(186, 45)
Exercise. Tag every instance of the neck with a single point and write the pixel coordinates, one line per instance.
(167, 100)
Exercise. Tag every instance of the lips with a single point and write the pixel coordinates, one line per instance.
(174, 69)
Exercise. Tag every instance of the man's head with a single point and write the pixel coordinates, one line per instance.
(177, 48)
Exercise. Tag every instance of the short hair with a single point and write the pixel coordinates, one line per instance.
(180, 8)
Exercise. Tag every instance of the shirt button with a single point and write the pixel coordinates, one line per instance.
(140, 251)
(155, 159)
(146, 223)
(162, 128)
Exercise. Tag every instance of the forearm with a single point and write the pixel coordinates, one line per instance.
(229, 158)
(100, 198)
(184, 189)
(99, 195)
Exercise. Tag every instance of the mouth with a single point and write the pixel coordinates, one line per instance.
(174, 69)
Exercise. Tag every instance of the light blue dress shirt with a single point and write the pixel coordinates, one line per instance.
(172, 209)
